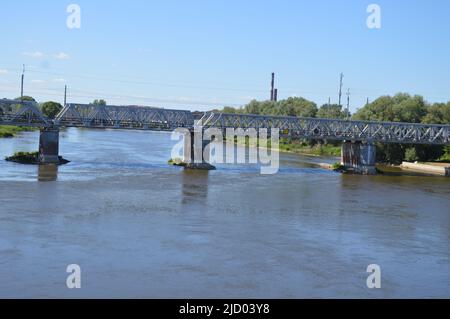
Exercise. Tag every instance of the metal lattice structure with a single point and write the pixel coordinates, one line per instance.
(123, 117)
(22, 113)
(330, 129)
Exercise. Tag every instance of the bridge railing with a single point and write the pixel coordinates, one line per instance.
(332, 129)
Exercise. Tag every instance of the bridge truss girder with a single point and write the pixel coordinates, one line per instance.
(331, 129)
(123, 117)
(22, 113)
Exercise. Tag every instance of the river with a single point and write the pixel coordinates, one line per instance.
(140, 228)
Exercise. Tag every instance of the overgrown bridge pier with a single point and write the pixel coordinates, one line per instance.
(358, 137)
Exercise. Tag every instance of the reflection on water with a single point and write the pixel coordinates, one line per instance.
(47, 173)
(141, 228)
(194, 186)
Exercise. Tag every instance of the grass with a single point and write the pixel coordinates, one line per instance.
(304, 148)
(300, 147)
(11, 131)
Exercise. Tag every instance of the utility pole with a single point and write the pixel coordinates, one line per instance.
(329, 101)
(65, 95)
(348, 103)
(340, 88)
(367, 103)
(21, 84)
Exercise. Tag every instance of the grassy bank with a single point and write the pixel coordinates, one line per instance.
(300, 147)
(304, 148)
(11, 131)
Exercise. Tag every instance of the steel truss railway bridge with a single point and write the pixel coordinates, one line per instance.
(358, 149)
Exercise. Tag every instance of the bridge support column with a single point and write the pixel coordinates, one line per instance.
(49, 146)
(359, 157)
(195, 156)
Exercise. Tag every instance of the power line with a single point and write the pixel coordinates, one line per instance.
(110, 96)
(357, 93)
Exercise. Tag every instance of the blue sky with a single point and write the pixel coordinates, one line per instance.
(204, 54)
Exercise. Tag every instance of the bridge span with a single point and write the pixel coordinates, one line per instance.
(358, 149)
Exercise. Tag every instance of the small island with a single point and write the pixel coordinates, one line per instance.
(31, 158)
(198, 166)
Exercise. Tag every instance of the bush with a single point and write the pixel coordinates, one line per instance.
(51, 109)
(337, 167)
(24, 157)
(411, 155)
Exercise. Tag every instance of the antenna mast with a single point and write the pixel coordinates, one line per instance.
(340, 89)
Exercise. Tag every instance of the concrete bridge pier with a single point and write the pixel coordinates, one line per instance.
(195, 156)
(49, 146)
(359, 157)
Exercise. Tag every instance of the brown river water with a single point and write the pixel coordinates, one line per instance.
(140, 228)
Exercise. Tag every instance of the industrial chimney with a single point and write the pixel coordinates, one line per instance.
(272, 88)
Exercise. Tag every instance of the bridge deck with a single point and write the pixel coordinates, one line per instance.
(148, 118)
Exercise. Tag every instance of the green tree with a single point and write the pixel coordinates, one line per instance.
(293, 106)
(404, 108)
(51, 109)
(399, 108)
(332, 111)
(409, 109)
(254, 107)
(230, 110)
(378, 110)
(99, 102)
(26, 98)
(297, 106)
(438, 113)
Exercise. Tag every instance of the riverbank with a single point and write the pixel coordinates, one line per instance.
(302, 148)
(306, 149)
(11, 131)
(441, 169)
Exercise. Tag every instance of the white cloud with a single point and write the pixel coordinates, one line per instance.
(61, 56)
(35, 55)
(59, 80)
(3, 71)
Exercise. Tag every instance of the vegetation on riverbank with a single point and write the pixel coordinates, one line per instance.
(297, 146)
(446, 157)
(11, 131)
(302, 147)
